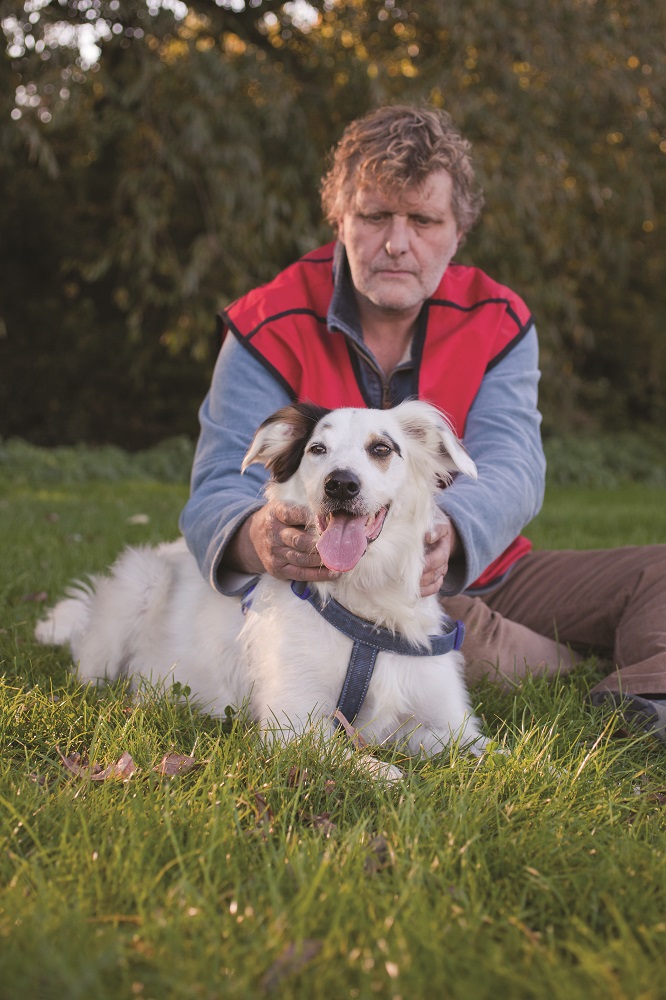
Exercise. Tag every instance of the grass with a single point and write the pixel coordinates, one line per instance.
(537, 874)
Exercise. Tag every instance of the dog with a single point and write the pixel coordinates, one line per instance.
(369, 479)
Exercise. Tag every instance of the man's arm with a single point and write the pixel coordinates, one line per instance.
(503, 436)
(242, 394)
(227, 524)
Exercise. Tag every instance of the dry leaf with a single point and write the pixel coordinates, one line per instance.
(123, 769)
(77, 764)
(264, 811)
(175, 763)
(320, 821)
(380, 855)
(38, 597)
(138, 519)
(292, 959)
(80, 766)
(357, 739)
(297, 776)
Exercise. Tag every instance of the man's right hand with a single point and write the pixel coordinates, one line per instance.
(274, 540)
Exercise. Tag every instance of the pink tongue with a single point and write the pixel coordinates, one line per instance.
(343, 542)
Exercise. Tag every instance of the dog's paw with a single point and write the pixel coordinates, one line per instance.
(380, 770)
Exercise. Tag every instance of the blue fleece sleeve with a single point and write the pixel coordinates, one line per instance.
(503, 436)
(242, 394)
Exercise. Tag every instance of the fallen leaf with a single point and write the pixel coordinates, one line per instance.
(175, 763)
(320, 821)
(292, 959)
(77, 764)
(356, 737)
(621, 733)
(380, 855)
(38, 597)
(80, 766)
(264, 812)
(138, 519)
(52, 517)
(297, 776)
(123, 769)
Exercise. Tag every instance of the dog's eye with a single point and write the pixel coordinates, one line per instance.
(380, 450)
(317, 449)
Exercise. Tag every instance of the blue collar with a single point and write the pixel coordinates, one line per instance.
(369, 640)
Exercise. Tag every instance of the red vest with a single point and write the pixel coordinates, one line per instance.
(471, 323)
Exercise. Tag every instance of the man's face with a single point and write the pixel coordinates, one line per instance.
(399, 244)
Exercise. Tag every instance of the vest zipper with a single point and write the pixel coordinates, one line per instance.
(386, 384)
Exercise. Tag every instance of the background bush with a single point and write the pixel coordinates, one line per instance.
(179, 166)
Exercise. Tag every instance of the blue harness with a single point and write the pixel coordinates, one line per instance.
(369, 640)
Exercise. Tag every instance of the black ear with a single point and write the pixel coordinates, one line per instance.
(280, 441)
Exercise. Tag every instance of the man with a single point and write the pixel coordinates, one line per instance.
(381, 315)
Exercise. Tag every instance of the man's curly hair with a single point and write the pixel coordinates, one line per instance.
(401, 145)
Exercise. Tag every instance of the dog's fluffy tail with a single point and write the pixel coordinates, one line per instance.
(67, 619)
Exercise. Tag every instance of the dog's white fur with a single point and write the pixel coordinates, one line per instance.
(155, 616)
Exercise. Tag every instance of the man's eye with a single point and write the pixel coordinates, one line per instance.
(317, 449)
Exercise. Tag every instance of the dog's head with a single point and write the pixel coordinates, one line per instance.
(354, 467)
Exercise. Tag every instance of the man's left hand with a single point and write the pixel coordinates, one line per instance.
(440, 544)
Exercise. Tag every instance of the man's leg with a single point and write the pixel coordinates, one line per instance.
(502, 649)
(613, 600)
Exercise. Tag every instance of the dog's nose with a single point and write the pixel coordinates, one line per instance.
(342, 484)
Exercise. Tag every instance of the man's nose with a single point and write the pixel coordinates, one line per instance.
(397, 236)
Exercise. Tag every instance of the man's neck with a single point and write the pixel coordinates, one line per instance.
(387, 334)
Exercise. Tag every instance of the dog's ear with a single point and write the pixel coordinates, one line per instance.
(427, 424)
(280, 441)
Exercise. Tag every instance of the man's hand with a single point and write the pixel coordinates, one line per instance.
(274, 540)
(440, 545)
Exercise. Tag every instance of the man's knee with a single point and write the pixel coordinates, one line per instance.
(503, 650)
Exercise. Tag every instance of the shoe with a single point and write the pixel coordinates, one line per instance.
(647, 714)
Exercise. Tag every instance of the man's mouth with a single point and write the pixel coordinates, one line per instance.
(394, 270)
(344, 537)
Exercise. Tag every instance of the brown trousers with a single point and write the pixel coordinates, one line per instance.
(612, 601)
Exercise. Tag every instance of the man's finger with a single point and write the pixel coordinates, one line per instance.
(310, 558)
(291, 514)
(298, 541)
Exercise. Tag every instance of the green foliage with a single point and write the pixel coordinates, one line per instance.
(602, 461)
(147, 190)
(605, 461)
(22, 462)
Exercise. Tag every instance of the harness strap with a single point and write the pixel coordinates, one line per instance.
(368, 641)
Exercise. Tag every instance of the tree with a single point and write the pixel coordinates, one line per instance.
(181, 167)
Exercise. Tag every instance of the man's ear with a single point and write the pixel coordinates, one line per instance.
(280, 441)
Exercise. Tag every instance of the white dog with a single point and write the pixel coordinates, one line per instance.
(369, 479)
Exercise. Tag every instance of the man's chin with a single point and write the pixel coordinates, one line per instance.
(395, 300)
